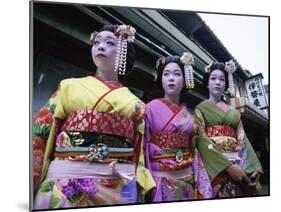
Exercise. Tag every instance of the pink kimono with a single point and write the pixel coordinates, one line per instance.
(175, 164)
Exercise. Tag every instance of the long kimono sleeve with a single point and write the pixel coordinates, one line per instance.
(215, 162)
(144, 177)
(54, 112)
(147, 137)
(60, 112)
(42, 124)
(250, 161)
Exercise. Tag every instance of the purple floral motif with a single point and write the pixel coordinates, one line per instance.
(70, 189)
(75, 186)
(129, 191)
(202, 181)
(243, 155)
(88, 186)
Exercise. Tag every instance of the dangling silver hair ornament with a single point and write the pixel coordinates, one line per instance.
(188, 60)
(230, 67)
(125, 34)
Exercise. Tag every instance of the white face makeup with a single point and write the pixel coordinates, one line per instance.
(172, 79)
(216, 83)
(104, 50)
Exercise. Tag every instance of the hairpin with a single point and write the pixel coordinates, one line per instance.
(187, 60)
(125, 34)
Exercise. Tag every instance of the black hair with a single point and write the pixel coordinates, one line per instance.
(160, 65)
(216, 66)
(131, 53)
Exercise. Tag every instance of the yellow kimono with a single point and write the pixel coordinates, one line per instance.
(93, 146)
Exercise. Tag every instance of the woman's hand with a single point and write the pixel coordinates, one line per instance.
(254, 177)
(236, 173)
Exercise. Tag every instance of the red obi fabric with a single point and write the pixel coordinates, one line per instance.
(221, 130)
(94, 121)
(170, 140)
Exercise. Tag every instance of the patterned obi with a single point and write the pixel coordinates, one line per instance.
(174, 146)
(100, 122)
(170, 140)
(220, 130)
(224, 139)
(95, 136)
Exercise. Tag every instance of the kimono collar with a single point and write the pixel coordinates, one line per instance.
(173, 106)
(109, 83)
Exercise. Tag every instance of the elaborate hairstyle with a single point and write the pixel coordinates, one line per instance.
(125, 56)
(215, 66)
(184, 63)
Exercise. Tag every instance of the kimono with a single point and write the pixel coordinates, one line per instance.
(177, 169)
(222, 142)
(87, 148)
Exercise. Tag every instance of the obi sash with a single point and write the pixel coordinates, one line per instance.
(225, 140)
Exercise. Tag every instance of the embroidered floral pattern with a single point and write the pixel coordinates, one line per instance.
(202, 180)
(38, 155)
(42, 123)
(173, 189)
(75, 186)
(225, 187)
(63, 140)
(170, 165)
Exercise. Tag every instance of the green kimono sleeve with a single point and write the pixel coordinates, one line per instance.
(252, 162)
(215, 162)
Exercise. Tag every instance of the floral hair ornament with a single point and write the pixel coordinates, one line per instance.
(125, 34)
(187, 60)
(230, 66)
(208, 68)
(160, 63)
(93, 35)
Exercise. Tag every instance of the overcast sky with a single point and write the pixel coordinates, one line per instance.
(245, 37)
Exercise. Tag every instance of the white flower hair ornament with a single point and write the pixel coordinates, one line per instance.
(125, 34)
(187, 60)
(208, 68)
(160, 62)
(230, 66)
